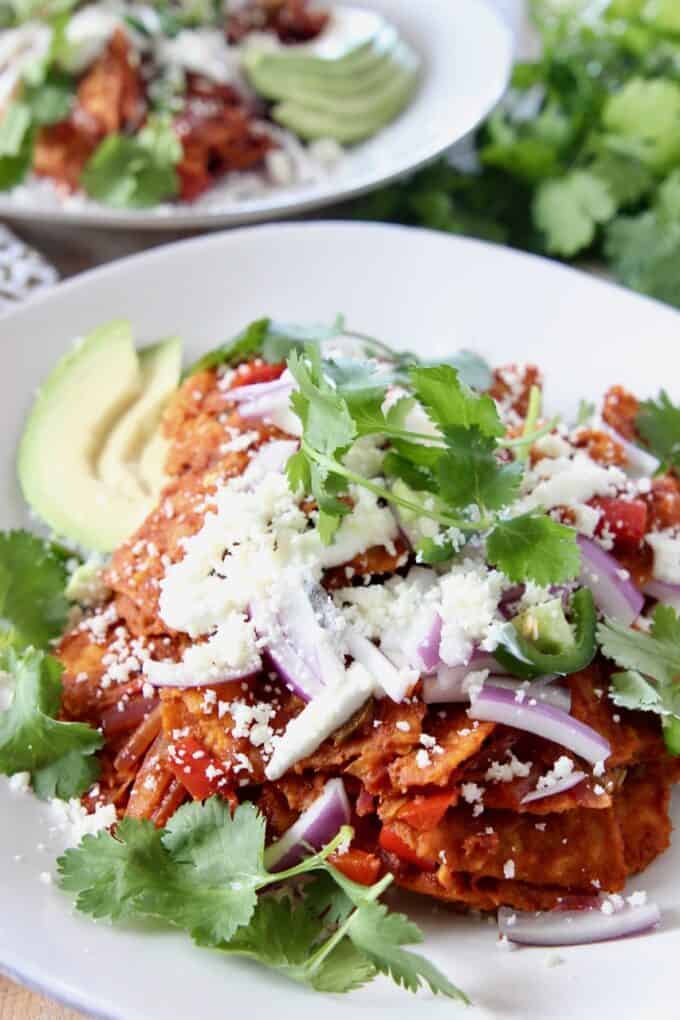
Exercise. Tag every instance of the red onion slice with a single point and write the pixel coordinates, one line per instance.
(574, 927)
(296, 644)
(396, 683)
(616, 596)
(244, 394)
(287, 660)
(559, 786)
(448, 685)
(427, 650)
(313, 830)
(668, 594)
(495, 704)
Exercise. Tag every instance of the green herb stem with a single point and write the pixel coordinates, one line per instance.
(378, 490)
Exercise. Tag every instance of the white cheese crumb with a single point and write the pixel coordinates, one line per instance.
(666, 548)
(71, 818)
(509, 869)
(20, 782)
(505, 772)
(471, 792)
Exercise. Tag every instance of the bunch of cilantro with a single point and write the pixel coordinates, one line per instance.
(205, 874)
(59, 756)
(582, 160)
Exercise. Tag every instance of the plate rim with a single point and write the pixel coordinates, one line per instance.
(278, 207)
(217, 237)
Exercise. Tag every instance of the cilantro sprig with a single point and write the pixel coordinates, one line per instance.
(205, 874)
(33, 576)
(58, 755)
(658, 423)
(453, 474)
(652, 666)
(34, 610)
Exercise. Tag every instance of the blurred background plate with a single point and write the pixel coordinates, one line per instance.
(466, 53)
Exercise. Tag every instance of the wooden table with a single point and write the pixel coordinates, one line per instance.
(18, 1003)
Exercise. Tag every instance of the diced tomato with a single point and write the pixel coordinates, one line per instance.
(392, 842)
(625, 519)
(256, 372)
(357, 865)
(196, 769)
(425, 812)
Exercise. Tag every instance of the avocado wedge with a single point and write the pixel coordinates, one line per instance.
(89, 427)
(347, 97)
(118, 464)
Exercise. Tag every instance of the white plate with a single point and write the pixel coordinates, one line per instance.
(414, 289)
(466, 53)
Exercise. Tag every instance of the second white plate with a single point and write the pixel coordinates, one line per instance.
(466, 54)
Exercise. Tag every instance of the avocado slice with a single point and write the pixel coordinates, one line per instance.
(347, 97)
(82, 405)
(287, 83)
(119, 462)
(348, 123)
(355, 101)
(299, 60)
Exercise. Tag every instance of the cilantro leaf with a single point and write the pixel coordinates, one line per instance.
(66, 777)
(569, 210)
(247, 342)
(448, 401)
(469, 472)
(536, 548)
(282, 338)
(656, 655)
(33, 579)
(644, 252)
(627, 180)
(272, 341)
(631, 690)
(200, 874)
(284, 936)
(138, 172)
(328, 424)
(380, 937)
(31, 739)
(658, 422)
(472, 369)
(652, 663)
(116, 877)
(643, 117)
